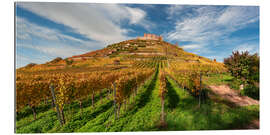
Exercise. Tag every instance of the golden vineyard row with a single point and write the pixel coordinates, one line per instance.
(33, 89)
(188, 75)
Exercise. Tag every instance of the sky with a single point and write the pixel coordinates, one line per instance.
(45, 31)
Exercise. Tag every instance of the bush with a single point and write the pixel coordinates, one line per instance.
(235, 84)
(251, 91)
(57, 59)
(244, 66)
(68, 62)
(30, 65)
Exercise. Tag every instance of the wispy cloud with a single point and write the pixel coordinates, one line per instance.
(191, 46)
(204, 30)
(252, 48)
(54, 50)
(32, 31)
(25, 30)
(238, 17)
(46, 43)
(100, 22)
(209, 26)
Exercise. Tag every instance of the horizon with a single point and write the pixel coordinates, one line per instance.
(45, 31)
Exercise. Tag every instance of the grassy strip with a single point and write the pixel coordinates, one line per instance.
(47, 120)
(134, 118)
(220, 79)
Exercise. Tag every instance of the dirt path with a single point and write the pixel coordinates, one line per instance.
(255, 124)
(233, 96)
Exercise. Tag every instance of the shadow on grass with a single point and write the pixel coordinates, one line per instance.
(173, 98)
(41, 124)
(78, 121)
(27, 111)
(145, 97)
(216, 98)
(141, 100)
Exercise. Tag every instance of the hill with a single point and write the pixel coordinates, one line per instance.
(135, 49)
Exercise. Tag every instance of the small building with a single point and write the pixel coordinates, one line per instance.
(147, 36)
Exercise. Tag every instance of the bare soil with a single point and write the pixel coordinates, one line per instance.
(255, 124)
(233, 96)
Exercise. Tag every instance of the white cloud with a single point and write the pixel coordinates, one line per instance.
(23, 60)
(45, 43)
(197, 48)
(206, 25)
(54, 50)
(25, 29)
(31, 30)
(200, 26)
(218, 58)
(252, 48)
(191, 46)
(176, 10)
(98, 22)
(238, 16)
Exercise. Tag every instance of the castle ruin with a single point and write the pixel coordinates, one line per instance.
(147, 36)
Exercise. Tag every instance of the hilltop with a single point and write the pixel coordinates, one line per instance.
(141, 48)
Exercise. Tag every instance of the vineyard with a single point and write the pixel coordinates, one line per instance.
(126, 93)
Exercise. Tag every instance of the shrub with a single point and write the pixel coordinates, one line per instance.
(56, 60)
(68, 62)
(251, 91)
(30, 65)
(245, 68)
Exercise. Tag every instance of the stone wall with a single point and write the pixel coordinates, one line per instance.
(147, 36)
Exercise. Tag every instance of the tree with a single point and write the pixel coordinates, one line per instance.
(68, 62)
(57, 59)
(30, 65)
(243, 66)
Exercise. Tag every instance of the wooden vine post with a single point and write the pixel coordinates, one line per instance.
(34, 112)
(81, 109)
(114, 99)
(56, 105)
(63, 116)
(53, 105)
(200, 90)
(93, 96)
(162, 109)
(108, 94)
(101, 96)
(118, 110)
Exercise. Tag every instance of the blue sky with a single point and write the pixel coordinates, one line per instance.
(48, 30)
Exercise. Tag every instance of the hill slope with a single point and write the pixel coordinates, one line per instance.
(124, 51)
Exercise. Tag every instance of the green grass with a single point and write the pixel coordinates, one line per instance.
(219, 79)
(186, 114)
(142, 114)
